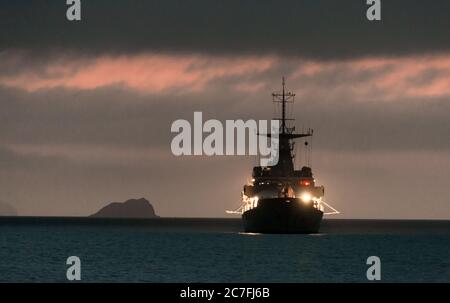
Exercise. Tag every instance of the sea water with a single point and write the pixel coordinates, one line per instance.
(216, 250)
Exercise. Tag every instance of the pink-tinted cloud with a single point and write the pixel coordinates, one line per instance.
(389, 78)
(363, 79)
(145, 73)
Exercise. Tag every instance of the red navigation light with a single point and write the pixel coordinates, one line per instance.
(305, 182)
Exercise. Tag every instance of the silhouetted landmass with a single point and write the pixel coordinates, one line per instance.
(7, 210)
(133, 208)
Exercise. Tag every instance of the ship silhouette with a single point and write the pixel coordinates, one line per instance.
(279, 198)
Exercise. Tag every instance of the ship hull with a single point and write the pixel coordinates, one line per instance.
(282, 215)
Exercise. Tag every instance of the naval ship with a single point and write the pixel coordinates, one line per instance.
(279, 198)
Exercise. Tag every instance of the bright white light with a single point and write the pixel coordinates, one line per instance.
(306, 197)
(255, 201)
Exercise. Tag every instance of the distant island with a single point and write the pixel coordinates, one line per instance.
(7, 210)
(133, 208)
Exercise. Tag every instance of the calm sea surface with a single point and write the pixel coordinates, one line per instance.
(215, 250)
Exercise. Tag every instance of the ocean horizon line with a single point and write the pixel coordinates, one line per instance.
(214, 218)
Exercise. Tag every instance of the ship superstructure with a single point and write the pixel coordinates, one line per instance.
(279, 198)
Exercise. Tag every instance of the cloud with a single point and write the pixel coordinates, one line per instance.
(378, 79)
(153, 73)
(364, 79)
(91, 154)
(322, 29)
(348, 103)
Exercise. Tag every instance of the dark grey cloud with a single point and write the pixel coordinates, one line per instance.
(323, 29)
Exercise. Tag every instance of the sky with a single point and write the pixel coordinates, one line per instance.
(86, 107)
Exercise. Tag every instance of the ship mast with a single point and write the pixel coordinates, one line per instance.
(283, 98)
(285, 165)
(283, 117)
